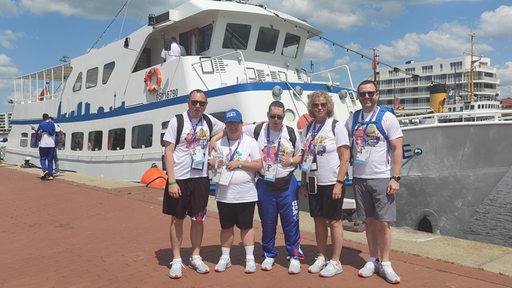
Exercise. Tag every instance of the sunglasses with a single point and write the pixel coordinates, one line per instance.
(195, 102)
(364, 94)
(275, 116)
(319, 105)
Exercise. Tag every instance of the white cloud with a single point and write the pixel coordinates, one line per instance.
(8, 8)
(317, 50)
(504, 73)
(497, 23)
(7, 37)
(7, 71)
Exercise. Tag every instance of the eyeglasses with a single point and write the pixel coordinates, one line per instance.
(364, 94)
(195, 102)
(275, 116)
(320, 105)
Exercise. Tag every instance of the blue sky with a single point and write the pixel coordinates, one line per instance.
(35, 34)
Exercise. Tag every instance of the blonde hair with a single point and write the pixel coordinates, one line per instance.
(320, 94)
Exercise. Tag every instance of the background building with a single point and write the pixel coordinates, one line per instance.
(408, 85)
(5, 126)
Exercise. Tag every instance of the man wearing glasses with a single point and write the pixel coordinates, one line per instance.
(188, 186)
(377, 160)
(277, 186)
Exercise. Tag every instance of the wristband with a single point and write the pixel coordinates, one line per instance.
(340, 181)
(172, 183)
(240, 164)
(291, 161)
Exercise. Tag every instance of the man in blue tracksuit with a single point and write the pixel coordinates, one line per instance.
(277, 187)
(45, 133)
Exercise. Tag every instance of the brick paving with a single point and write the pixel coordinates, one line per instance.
(64, 234)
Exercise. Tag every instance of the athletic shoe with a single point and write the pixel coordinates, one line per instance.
(44, 176)
(332, 268)
(267, 264)
(317, 266)
(250, 266)
(198, 265)
(175, 271)
(224, 263)
(368, 269)
(50, 178)
(294, 267)
(387, 272)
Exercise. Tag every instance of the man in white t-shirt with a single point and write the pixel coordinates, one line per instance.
(377, 161)
(188, 186)
(175, 51)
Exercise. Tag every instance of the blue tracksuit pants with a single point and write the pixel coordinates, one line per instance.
(271, 204)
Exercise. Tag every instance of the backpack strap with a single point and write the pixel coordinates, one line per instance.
(291, 134)
(257, 131)
(180, 121)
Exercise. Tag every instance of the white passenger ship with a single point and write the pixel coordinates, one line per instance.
(114, 112)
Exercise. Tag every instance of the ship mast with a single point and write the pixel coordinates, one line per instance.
(471, 86)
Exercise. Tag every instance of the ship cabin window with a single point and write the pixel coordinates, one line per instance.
(91, 79)
(163, 126)
(291, 45)
(61, 145)
(142, 136)
(236, 36)
(34, 143)
(24, 139)
(205, 37)
(94, 140)
(107, 71)
(267, 40)
(116, 139)
(77, 141)
(78, 83)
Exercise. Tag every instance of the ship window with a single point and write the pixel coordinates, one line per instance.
(33, 142)
(78, 83)
(142, 136)
(91, 79)
(77, 141)
(164, 125)
(236, 36)
(205, 37)
(94, 142)
(107, 71)
(291, 45)
(61, 145)
(116, 139)
(267, 40)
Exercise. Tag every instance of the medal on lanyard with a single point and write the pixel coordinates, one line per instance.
(270, 167)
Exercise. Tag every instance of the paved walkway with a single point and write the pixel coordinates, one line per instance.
(63, 233)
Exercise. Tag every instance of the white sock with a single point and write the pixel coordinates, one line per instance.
(372, 259)
(196, 257)
(249, 252)
(387, 266)
(225, 252)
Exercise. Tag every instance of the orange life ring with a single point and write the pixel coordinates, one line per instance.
(149, 76)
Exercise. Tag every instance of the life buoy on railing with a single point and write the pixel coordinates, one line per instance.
(149, 76)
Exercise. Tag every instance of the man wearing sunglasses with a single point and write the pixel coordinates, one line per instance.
(188, 186)
(376, 171)
(277, 186)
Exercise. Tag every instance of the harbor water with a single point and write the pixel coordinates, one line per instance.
(492, 221)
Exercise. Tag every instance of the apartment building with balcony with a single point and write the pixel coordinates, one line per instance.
(409, 84)
(5, 126)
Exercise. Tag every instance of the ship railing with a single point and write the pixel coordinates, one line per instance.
(327, 73)
(208, 66)
(453, 117)
(42, 85)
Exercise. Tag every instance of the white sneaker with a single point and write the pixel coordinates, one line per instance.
(250, 266)
(224, 263)
(267, 264)
(175, 271)
(332, 268)
(387, 272)
(317, 266)
(199, 265)
(368, 270)
(294, 267)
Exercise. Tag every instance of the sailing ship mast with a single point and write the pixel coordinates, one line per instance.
(471, 86)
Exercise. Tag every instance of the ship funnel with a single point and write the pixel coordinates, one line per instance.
(438, 97)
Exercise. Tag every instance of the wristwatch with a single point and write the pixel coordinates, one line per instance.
(396, 178)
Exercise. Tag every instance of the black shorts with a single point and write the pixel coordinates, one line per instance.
(321, 204)
(193, 201)
(239, 214)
